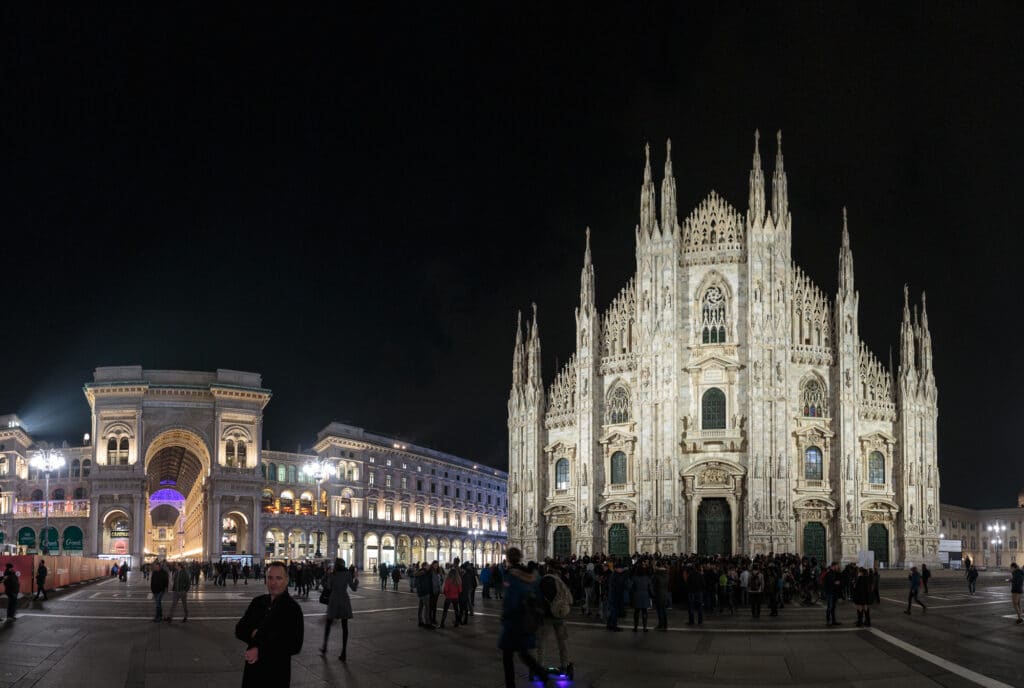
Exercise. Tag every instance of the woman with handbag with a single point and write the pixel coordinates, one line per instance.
(339, 606)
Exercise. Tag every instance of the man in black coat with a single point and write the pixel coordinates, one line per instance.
(158, 583)
(272, 631)
(41, 574)
(11, 586)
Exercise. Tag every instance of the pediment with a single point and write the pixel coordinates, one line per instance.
(879, 504)
(617, 504)
(814, 431)
(816, 502)
(728, 468)
(559, 510)
(561, 448)
(712, 361)
(877, 437)
(617, 436)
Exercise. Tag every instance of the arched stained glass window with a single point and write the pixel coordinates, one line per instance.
(876, 468)
(813, 399)
(562, 474)
(812, 464)
(229, 452)
(79, 493)
(712, 316)
(112, 451)
(282, 473)
(712, 412)
(619, 468)
(617, 406)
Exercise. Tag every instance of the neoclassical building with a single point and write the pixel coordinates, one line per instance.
(723, 403)
(172, 467)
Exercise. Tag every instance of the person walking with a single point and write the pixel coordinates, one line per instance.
(925, 575)
(862, 594)
(755, 586)
(41, 574)
(437, 581)
(972, 578)
(640, 594)
(1016, 581)
(557, 606)
(832, 589)
(518, 635)
(915, 584)
(662, 596)
(158, 583)
(396, 576)
(466, 599)
(616, 596)
(694, 594)
(339, 605)
(180, 584)
(424, 587)
(452, 589)
(12, 586)
(272, 629)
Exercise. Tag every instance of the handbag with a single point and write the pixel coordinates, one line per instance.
(325, 596)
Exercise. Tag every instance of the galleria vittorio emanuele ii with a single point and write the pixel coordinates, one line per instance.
(723, 403)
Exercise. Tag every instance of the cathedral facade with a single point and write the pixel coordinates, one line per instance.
(722, 403)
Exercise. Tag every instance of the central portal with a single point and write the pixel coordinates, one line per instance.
(176, 504)
(714, 527)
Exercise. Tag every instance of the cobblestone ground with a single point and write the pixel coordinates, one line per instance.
(102, 635)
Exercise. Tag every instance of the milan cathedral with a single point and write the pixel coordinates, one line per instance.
(722, 403)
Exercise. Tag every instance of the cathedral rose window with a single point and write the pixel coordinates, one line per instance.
(713, 317)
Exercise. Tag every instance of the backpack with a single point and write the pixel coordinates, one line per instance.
(533, 612)
(561, 606)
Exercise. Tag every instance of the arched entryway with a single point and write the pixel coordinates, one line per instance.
(562, 542)
(878, 542)
(116, 538)
(417, 550)
(714, 527)
(347, 547)
(177, 462)
(815, 544)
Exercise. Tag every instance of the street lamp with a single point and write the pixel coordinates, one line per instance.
(996, 531)
(475, 533)
(319, 470)
(47, 460)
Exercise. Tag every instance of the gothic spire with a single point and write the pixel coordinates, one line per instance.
(755, 212)
(669, 219)
(926, 341)
(519, 355)
(907, 362)
(587, 281)
(647, 203)
(780, 191)
(845, 262)
(534, 377)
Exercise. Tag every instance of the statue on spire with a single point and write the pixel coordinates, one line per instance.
(780, 191)
(756, 202)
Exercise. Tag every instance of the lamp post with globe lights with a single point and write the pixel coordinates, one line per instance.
(475, 533)
(996, 531)
(319, 470)
(47, 460)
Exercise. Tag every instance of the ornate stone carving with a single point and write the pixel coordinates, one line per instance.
(714, 476)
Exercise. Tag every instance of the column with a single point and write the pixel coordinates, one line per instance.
(94, 538)
(138, 543)
(257, 539)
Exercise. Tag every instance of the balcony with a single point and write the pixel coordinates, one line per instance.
(65, 508)
(726, 439)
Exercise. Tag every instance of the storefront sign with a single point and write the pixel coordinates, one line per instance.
(119, 533)
(50, 539)
(27, 537)
(73, 539)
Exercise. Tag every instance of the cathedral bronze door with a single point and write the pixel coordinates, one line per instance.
(618, 540)
(714, 527)
(814, 541)
(563, 542)
(878, 542)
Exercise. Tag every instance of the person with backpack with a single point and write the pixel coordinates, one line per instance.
(557, 605)
(519, 618)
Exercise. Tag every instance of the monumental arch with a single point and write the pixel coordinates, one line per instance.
(175, 453)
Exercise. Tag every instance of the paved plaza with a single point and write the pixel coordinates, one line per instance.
(101, 634)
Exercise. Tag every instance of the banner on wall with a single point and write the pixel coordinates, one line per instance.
(73, 540)
(27, 537)
(50, 540)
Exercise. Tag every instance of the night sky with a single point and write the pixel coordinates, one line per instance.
(356, 206)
